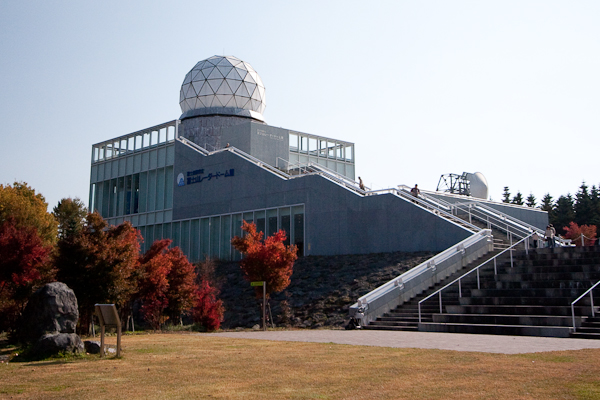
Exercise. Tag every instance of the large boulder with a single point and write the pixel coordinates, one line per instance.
(55, 343)
(51, 310)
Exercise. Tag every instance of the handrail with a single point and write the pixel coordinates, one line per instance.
(425, 266)
(439, 291)
(579, 298)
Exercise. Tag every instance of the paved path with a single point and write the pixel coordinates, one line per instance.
(422, 340)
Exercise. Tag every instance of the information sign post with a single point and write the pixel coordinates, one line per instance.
(108, 316)
(264, 307)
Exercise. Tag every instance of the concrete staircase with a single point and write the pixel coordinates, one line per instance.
(406, 316)
(532, 298)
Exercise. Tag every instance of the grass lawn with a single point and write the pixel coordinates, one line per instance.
(184, 366)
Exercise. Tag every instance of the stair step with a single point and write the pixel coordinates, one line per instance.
(487, 329)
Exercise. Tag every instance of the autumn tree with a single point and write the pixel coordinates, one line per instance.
(99, 264)
(167, 283)
(70, 215)
(574, 232)
(28, 209)
(208, 309)
(153, 283)
(269, 260)
(24, 266)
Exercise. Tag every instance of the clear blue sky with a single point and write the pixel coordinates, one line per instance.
(506, 88)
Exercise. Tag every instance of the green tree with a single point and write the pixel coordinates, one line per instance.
(563, 213)
(518, 199)
(70, 215)
(28, 209)
(531, 200)
(583, 207)
(506, 195)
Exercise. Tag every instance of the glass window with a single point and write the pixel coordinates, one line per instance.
(303, 144)
(135, 192)
(185, 237)
(349, 153)
(169, 187)
(139, 142)
(146, 140)
(330, 149)
(128, 195)
(271, 222)
(339, 151)
(236, 229)
(312, 146)
(160, 189)
(284, 223)
(175, 235)
(130, 144)
(113, 198)
(151, 190)
(259, 217)
(194, 240)
(92, 201)
(154, 138)
(143, 192)
(225, 237)
(204, 238)
(149, 238)
(143, 246)
(123, 146)
(105, 198)
(215, 225)
(101, 153)
(298, 228)
(95, 154)
(109, 151)
(248, 217)
(120, 196)
(167, 231)
(171, 133)
(162, 135)
(116, 148)
(323, 148)
(293, 142)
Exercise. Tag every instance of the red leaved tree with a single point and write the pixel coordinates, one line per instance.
(574, 232)
(270, 260)
(208, 309)
(182, 285)
(167, 284)
(24, 266)
(153, 283)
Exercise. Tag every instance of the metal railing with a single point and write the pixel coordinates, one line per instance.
(476, 270)
(414, 281)
(581, 297)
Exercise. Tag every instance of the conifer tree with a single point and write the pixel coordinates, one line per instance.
(506, 195)
(518, 199)
(531, 200)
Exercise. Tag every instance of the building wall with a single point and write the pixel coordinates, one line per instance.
(337, 220)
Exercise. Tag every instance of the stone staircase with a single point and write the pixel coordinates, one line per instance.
(406, 316)
(531, 298)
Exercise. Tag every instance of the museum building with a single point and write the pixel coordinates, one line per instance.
(195, 179)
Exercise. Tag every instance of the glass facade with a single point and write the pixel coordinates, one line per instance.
(211, 236)
(333, 154)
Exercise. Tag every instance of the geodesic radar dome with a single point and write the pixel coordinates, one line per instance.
(222, 85)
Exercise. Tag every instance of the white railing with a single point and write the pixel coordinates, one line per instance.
(416, 280)
(438, 292)
(579, 298)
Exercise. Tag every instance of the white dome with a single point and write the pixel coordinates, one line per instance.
(479, 185)
(222, 85)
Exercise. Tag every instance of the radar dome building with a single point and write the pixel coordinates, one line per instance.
(222, 85)
(196, 178)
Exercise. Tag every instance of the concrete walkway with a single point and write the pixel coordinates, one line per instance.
(421, 340)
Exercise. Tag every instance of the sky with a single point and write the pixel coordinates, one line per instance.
(423, 88)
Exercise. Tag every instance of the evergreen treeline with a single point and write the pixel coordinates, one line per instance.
(583, 209)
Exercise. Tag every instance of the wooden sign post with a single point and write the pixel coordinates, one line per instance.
(264, 286)
(108, 316)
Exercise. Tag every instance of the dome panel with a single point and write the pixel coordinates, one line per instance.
(222, 82)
